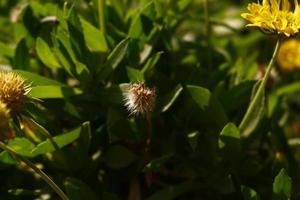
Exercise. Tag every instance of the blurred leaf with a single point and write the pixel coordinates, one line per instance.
(204, 99)
(21, 59)
(114, 58)
(156, 163)
(94, 38)
(112, 95)
(50, 92)
(5, 50)
(6, 158)
(282, 185)
(229, 142)
(78, 190)
(118, 157)
(288, 89)
(37, 80)
(151, 63)
(45, 54)
(168, 100)
(61, 140)
(249, 194)
(134, 75)
(22, 146)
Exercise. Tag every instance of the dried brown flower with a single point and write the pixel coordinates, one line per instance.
(140, 100)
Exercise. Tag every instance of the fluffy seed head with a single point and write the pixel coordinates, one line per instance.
(13, 90)
(4, 115)
(140, 100)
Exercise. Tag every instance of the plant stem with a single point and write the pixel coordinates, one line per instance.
(44, 176)
(261, 87)
(101, 15)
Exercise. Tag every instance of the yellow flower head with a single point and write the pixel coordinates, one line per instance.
(274, 17)
(13, 90)
(4, 115)
(288, 57)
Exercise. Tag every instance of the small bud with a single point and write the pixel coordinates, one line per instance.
(13, 90)
(140, 100)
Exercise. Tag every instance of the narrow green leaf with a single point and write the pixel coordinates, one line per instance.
(61, 140)
(22, 146)
(255, 116)
(21, 60)
(45, 54)
(94, 38)
(168, 100)
(114, 58)
(53, 92)
(37, 80)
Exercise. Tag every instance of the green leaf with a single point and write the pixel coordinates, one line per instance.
(168, 100)
(21, 60)
(156, 163)
(114, 58)
(51, 92)
(118, 157)
(6, 158)
(78, 190)
(229, 142)
(208, 103)
(151, 63)
(282, 185)
(45, 54)
(22, 146)
(37, 80)
(288, 89)
(61, 140)
(112, 95)
(249, 194)
(5, 50)
(134, 75)
(257, 113)
(94, 37)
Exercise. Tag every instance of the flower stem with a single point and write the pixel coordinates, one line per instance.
(101, 15)
(261, 87)
(44, 176)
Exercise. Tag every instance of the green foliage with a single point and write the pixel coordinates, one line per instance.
(205, 74)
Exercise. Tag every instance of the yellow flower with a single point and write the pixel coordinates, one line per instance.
(272, 17)
(4, 115)
(288, 57)
(13, 90)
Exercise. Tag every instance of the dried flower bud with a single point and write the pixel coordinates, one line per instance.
(4, 115)
(140, 100)
(13, 90)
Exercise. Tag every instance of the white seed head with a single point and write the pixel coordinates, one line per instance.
(140, 100)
